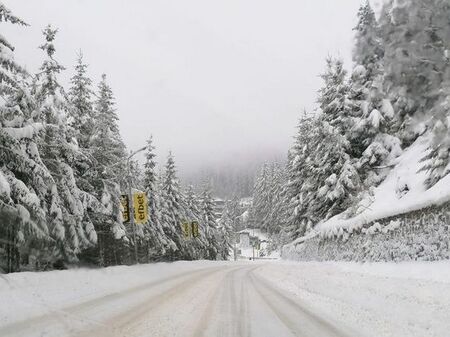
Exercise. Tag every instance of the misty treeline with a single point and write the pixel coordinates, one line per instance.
(398, 90)
(64, 166)
(227, 182)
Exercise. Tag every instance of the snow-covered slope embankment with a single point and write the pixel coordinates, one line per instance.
(401, 220)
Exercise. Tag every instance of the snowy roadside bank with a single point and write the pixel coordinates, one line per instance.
(417, 236)
(401, 221)
(382, 299)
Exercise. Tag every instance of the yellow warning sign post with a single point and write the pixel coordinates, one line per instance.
(125, 208)
(140, 208)
(195, 230)
(186, 229)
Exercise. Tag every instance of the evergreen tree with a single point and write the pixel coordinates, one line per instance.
(416, 65)
(81, 125)
(366, 75)
(276, 214)
(157, 241)
(82, 112)
(322, 179)
(416, 36)
(368, 50)
(262, 196)
(109, 160)
(173, 213)
(210, 223)
(333, 96)
(234, 211)
(71, 228)
(225, 232)
(192, 204)
(437, 160)
(24, 180)
(372, 113)
(10, 68)
(193, 213)
(300, 188)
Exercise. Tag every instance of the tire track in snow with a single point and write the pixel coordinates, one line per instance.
(66, 316)
(223, 316)
(298, 319)
(123, 324)
(168, 313)
(244, 313)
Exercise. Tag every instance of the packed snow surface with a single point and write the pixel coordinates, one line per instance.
(230, 299)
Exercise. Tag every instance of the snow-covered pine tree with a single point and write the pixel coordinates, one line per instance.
(416, 39)
(192, 204)
(109, 160)
(280, 211)
(367, 58)
(415, 61)
(286, 205)
(333, 96)
(234, 211)
(157, 241)
(193, 213)
(267, 202)
(225, 232)
(378, 135)
(368, 50)
(10, 68)
(333, 172)
(322, 178)
(371, 112)
(437, 160)
(81, 124)
(300, 186)
(276, 217)
(71, 229)
(262, 197)
(173, 213)
(23, 177)
(82, 112)
(210, 222)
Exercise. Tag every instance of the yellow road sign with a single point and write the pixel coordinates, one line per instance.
(140, 208)
(195, 229)
(186, 229)
(125, 208)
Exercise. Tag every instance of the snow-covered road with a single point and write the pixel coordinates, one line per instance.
(228, 299)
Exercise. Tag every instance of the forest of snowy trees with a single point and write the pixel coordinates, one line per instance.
(64, 167)
(397, 91)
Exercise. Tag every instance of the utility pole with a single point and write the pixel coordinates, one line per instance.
(235, 246)
(253, 244)
(131, 207)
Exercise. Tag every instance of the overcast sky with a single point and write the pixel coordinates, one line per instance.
(214, 81)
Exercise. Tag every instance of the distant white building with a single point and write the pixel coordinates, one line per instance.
(251, 243)
(244, 239)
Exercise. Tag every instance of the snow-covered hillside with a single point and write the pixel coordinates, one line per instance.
(401, 192)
